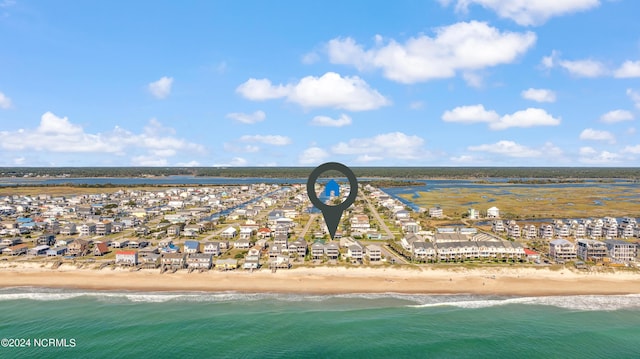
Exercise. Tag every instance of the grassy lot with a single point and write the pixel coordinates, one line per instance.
(536, 202)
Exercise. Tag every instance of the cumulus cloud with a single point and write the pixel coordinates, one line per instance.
(162, 88)
(464, 46)
(507, 148)
(590, 156)
(330, 90)
(477, 114)
(5, 102)
(632, 149)
(393, 145)
(527, 12)
(512, 149)
(539, 95)
(275, 140)
(616, 116)
(248, 118)
(628, 69)
(312, 156)
(59, 135)
(470, 114)
(579, 68)
(590, 134)
(343, 120)
(634, 96)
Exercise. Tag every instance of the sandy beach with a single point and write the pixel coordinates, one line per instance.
(331, 280)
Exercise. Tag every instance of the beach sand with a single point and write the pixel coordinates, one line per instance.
(331, 280)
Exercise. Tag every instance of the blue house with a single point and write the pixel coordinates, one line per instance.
(56, 251)
(332, 186)
(191, 247)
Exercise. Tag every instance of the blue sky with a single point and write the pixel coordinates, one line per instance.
(295, 83)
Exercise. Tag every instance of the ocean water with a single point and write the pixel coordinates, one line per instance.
(234, 325)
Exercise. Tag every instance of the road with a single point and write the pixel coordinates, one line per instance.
(378, 218)
(312, 218)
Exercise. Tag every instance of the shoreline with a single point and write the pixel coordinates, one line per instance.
(526, 282)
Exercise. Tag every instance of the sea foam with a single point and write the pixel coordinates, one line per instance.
(463, 301)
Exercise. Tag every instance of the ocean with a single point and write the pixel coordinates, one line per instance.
(62, 323)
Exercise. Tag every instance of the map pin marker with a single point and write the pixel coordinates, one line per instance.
(332, 214)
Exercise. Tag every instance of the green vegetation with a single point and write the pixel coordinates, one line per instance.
(302, 172)
(535, 201)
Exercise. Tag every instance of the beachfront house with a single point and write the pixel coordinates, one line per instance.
(226, 264)
(38, 250)
(100, 249)
(355, 252)
(298, 247)
(591, 250)
(79, 247)
(127, 258)
(199, 261)
(621, 250)
(373, 252)
(173, 261)
(15, 250)
(150, 261)
(332, 251)
(317, 250)
(423, 251)
(56, 251)
(562, 250)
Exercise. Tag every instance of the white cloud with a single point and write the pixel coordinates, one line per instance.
(59, 135)
(507, 148)
(416, 105)
(462, 159)
(634, 96)
(579, 68)
(162, 88)
(616, 116)
(343, 120)
(477, 113)
(368, 158)
(275, 140)
(148, 161)
(631, 131)
(235, 162)
(464, 46)
(632, 149)
(248, 118)
(329, 90)
(5, 102)
(470, 114)
(525, 118)
(312, 156)
(188, 164)
(590, 134)
(472, 79)
(592, 157)
(539, 95)
(393, 145)
(587, 151)
(230, 147)
(310, 58)
(19, 161)
(628, 69)
(528, 12)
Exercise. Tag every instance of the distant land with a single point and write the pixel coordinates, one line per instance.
(520, 173)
